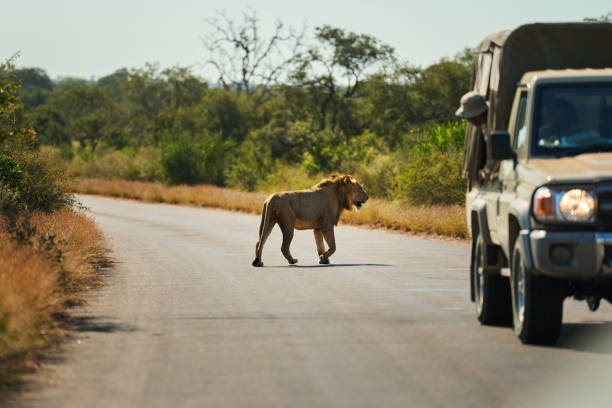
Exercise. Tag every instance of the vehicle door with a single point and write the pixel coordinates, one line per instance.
(507, 168)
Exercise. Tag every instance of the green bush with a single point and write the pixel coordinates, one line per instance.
(187, 160)
(432, 179)
(43, 186)
(443, 137)
(378, 175)
(251, 163)
(285, 178)
(143, 164)
(27, 181)
(432, 174)
(147, 164)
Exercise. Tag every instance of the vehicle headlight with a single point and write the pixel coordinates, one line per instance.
(577, 205)
(573, 205)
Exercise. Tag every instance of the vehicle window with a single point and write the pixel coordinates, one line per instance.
(573, 119)
(520, 129)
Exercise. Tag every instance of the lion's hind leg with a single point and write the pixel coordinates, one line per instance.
(287, 226)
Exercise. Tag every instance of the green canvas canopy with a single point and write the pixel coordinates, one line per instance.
(501, 59)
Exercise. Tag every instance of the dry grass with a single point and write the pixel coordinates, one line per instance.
(446, 221)
(36, 288)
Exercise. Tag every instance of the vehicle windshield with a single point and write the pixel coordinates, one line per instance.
(573, 119)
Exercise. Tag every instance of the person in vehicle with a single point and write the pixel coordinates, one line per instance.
(475, 110)
(559, 120)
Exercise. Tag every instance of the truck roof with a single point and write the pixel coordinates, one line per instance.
(587, 73)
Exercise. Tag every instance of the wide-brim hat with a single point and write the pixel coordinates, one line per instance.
(472, 104)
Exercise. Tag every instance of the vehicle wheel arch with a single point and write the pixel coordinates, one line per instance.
(479, 218)
(519, 225)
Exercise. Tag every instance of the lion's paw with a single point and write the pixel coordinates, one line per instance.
(323, 260)
(257, 262)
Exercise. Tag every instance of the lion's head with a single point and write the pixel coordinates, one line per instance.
(349, 191)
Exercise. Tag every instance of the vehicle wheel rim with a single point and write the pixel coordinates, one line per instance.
(519, 289)
(479, 278)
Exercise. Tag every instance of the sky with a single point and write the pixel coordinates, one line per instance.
(82, 38)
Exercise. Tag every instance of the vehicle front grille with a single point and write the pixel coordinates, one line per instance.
(605, 209)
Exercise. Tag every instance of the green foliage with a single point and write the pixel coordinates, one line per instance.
(42, 187)
(10, 171)
(444, 137)
(188, 160)
(332, 72)
(251, 163)
(432, 175)
(328, 153)
(439, 88)
(227, 112)
(142, 164)
(284, 178)
(27, 182)
(378, 175)
(35, 86)
(432, 179)
(346, 105)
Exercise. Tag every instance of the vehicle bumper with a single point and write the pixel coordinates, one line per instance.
(581, 256)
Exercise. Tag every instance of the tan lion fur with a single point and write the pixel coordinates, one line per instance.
(317, 208)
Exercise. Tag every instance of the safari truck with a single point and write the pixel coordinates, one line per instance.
(539, 199)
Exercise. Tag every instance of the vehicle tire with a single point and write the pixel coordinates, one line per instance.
(537, 303)
(491, 292)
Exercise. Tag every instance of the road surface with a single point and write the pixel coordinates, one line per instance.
(185, 321)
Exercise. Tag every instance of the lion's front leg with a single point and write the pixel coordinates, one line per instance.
(318, 235)
(331, 242)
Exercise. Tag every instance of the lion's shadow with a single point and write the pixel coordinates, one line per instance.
(327, 265)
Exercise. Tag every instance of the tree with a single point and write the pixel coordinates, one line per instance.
(439, 88)
(396, 101)
(333, 69)
(35, 86)
(604, 18)
(389, 106)
(50, 125)
(244, 60)
(86, 114)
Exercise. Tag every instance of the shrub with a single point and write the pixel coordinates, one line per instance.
(432, 179)
(27, 182)
(251, 163)
(285, 178)
(378, 175)
(432, 175)
(143, 164)
(188, 160)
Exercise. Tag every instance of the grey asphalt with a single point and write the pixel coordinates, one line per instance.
(184, 320)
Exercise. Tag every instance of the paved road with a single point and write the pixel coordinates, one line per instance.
(185, 321)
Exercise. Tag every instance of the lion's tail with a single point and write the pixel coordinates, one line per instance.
(264, 211)
(264, 230)
(266, 215)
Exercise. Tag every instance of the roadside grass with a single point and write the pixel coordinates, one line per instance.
(39, 280)
(448, 221)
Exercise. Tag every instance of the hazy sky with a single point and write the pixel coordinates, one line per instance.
(85, 38)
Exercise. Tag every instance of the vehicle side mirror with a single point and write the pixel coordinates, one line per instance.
(500, 146)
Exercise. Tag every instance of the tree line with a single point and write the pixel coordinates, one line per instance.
(279, 108)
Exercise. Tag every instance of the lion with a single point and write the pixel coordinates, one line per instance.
(317, 208)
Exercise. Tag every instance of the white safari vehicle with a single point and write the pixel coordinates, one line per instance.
(539, 201)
